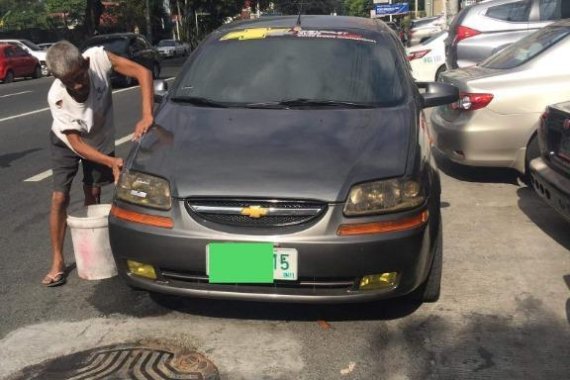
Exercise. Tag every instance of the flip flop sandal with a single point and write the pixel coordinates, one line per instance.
(55, 280)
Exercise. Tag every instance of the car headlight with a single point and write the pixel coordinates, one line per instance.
(381, 197)
(144, 190)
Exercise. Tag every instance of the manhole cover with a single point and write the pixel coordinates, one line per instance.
(124, 362)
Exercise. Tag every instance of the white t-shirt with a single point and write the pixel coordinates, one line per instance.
(94, 118)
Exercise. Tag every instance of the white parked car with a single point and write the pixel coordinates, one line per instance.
(428, 58)
(423, 28)
(172, 48)
(32, 49)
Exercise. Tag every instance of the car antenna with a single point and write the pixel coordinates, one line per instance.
(297, 27)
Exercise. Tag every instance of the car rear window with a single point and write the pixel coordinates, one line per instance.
(527, 48)
(513, 12)
(324, 65)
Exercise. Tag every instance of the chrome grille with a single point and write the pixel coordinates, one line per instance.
(263, 213)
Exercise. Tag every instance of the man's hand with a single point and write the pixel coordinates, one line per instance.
(142, 127)
(117, 165)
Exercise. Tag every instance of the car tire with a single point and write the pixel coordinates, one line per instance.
(441, 69)
(9, 77)
(430, 290)
(532, 152)
(37, 72)
(155, 71)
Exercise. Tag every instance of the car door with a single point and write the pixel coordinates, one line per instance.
(26, 62)
(137, 52)
(9, 59)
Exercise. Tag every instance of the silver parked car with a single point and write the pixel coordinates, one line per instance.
(480, 30)
(494, 122)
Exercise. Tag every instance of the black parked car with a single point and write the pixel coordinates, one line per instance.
(288, 163)
(551, 171)
(129, 45)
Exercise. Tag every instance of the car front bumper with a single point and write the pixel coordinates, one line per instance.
(551, 186)
(329, 266)
(483, 137)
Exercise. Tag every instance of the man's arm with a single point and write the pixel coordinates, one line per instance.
(144, 77)
(91, 154)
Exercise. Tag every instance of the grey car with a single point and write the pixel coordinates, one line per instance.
(289, 162)
(480, 30)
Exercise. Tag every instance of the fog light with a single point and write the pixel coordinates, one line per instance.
(379, 281)
(141, 270)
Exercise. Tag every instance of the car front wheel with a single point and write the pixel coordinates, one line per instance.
(156, 71)
(37, 72)
(9, 77)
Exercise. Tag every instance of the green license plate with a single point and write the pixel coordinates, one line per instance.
(250, 263)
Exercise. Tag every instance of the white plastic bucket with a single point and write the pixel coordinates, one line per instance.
(90, 236)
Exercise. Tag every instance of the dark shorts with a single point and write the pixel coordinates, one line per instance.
(65, 164)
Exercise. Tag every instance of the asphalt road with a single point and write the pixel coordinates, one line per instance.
(504, 311)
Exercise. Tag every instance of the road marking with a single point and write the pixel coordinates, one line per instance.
(47, 108)
(14, 94)
(49, 173)
(24, 114)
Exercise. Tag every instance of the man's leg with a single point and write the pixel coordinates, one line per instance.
(58, 224)
(92, 194)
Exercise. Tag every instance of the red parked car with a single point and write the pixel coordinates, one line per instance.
(16, 62)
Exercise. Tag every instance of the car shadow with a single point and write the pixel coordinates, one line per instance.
(545, 217)
(379, 310)
(476, 174)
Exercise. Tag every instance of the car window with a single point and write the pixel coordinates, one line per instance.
(19, 52)
(8, 52)
(274, 69)
(549, 10)
(513, 12)
(137, 45)
(166, 43)
(143, 43)
(117, 45)
(526, 49)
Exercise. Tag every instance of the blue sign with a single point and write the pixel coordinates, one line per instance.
(392, 9)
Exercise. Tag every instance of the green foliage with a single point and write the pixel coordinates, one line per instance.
(22, 14)
(323, 7)
(73, 11)
(360, 8)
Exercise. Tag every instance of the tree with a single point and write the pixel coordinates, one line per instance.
(72, 10)
(93, 11)
(22, 14)
(325, 7)
(360, 8)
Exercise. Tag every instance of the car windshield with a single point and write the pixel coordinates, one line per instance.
(526, 49)
(116, 45)
(241, 71)
(433, 38)
(31, 45)
(166, 43)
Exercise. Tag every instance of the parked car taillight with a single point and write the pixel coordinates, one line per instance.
(464, 32)
(471, 102)
(417, 54)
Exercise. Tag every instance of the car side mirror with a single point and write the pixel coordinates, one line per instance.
(160, 90)
(438, 94)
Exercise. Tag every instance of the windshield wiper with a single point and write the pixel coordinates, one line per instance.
(302, 102)
(199, 101)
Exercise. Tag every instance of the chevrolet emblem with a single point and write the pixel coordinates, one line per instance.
(254, 211)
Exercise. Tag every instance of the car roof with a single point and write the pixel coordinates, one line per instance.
(310, 22)
(112, 36)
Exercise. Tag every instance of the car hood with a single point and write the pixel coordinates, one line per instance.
(280, 154)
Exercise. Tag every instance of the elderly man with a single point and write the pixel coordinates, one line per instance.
(82, 109)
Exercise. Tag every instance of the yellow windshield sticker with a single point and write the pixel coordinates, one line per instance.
(254, 34)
